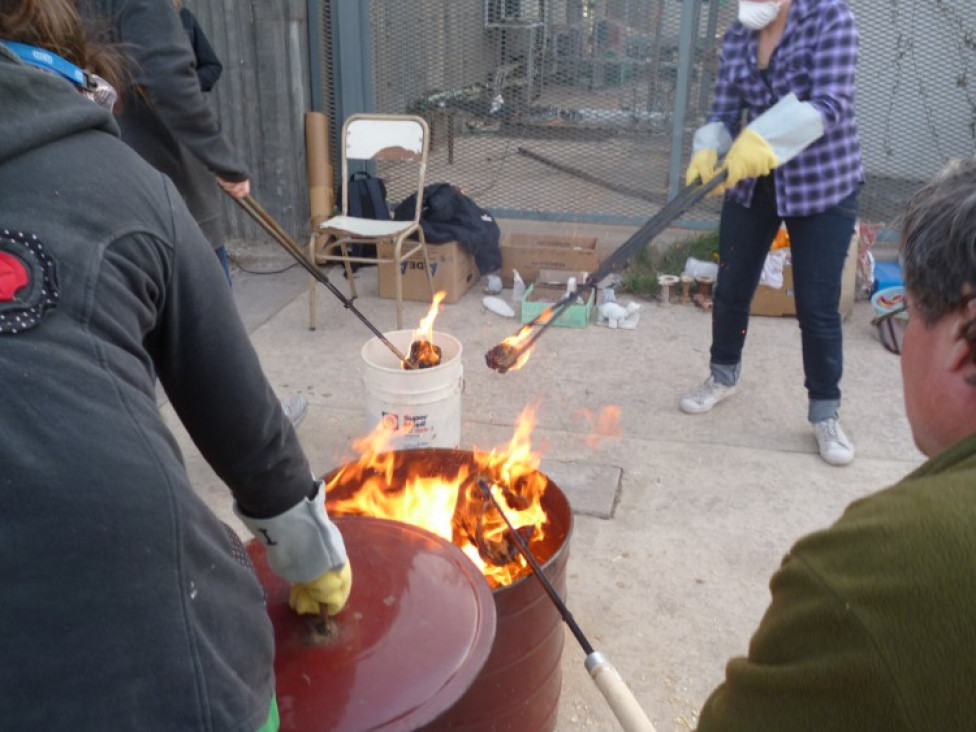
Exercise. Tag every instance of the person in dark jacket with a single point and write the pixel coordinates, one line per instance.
(126, 603)
(208, 66)
(870, 622)
(167, 119)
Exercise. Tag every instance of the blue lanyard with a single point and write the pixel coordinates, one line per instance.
(43, 59)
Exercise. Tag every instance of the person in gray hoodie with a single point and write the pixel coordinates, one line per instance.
(127, 604)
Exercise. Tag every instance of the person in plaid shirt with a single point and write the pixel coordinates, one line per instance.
(786, 73)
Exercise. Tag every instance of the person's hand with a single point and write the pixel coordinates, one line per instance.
(237, 189)
(304, 547)
(749, 157)
(331, 589)
(704, 165)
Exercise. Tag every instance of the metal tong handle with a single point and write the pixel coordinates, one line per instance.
(619, 697)
(686, 198)
(266, 222)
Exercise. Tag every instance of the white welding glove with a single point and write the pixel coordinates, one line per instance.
(302, 543)
(776, 136)
(788, 127)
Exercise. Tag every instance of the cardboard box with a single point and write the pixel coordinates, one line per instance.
(451, 268)
(529, 253)
(775, 302)
(782, 302)
(550, 289)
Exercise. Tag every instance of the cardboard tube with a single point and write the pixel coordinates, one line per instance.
(666, 282)
(319, 166)
(705, 284)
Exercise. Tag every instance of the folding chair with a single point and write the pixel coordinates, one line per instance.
(374, 137)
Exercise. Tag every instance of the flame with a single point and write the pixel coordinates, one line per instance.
(606, 423)
(423, 352)
(425, 331)
(451, 504)
(522, 342)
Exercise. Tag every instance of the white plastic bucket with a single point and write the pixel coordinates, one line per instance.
(427, 401)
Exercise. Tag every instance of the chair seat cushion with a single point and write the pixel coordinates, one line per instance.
(363, 227)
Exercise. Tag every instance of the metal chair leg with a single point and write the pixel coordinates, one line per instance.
(423, 249)
(312, 290)
(399, 291)
(349, 273)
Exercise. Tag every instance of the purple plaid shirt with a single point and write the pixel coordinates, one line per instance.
(815, 59)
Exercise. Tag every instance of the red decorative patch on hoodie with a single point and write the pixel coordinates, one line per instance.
(28, 282)
(13, 276)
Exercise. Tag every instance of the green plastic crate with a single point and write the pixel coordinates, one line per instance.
(575, 316)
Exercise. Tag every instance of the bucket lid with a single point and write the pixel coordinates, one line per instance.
(418, 627)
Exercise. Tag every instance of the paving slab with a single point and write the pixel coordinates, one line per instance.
(680, 520)
(592, 489)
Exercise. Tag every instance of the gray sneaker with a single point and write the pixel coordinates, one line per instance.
(705, 396)
(295, 408)
(835, 446)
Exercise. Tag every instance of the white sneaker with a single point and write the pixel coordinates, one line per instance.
(835, 447)
(295, 408)
(705, 396)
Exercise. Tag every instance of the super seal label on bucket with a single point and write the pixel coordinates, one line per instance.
(413, 423)
(422, 405)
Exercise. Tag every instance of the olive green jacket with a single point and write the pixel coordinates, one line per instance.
(871, 624)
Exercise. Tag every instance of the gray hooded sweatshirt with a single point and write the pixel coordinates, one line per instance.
(123, 605)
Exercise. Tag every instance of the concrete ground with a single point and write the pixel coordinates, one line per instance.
(680, 519)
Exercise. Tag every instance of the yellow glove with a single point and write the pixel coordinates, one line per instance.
(703, 165)
(331, 589)
(749, 157)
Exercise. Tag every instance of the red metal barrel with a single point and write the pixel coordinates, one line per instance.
(518, 687)
(416, 630)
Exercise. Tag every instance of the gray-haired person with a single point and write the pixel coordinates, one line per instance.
(870, 623)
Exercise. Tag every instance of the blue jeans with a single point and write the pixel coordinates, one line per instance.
(819, 245)
(221, 253)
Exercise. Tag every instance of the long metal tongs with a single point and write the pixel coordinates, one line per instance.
(618, 695)
(502, 357)
(266, 222)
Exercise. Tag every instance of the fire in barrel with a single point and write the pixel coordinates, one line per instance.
(435, 489)
(438, 491)
(444, 629)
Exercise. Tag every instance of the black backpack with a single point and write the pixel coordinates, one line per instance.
(367, 200)
(367, 197)
(448, 215)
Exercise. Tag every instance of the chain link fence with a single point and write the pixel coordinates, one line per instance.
(566, 109)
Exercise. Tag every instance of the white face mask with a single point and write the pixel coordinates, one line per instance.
(756, 15)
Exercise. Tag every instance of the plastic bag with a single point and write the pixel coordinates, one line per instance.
(864, 277)
(700, 268)
(772, 274)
